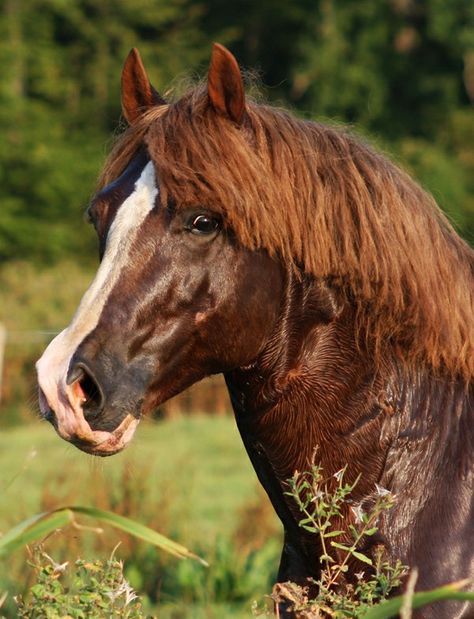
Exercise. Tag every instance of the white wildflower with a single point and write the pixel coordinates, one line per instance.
(58, 568)
(358, 513)
(123, 589)
(381, 491)
(318, 494)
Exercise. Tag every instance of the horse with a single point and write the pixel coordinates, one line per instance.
(317, 276)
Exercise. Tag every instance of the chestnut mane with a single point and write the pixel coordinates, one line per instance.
(323, 201)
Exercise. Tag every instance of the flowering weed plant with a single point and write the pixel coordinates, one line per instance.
(90, 590)
(324, 504)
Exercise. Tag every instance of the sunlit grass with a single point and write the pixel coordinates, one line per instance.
(189, 479)
(200, 459)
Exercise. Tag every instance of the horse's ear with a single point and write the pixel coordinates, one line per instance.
(224, 84)
(138, 95)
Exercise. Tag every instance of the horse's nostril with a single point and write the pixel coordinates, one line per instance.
(87, 389)
(75, 373)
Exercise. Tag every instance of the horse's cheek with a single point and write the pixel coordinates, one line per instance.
(253, 308)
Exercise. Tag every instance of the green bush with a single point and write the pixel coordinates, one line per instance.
(323, 504)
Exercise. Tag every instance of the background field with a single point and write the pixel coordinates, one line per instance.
(188, 478)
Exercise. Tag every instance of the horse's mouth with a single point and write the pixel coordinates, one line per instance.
(102, 443)
(72, 426)
(98, 442)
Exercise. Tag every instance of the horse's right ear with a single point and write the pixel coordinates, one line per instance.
(138, 95)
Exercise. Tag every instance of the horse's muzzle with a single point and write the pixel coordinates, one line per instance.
(75, 429)
(83, 398)
(64, 409)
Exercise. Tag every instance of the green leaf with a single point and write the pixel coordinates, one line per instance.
(40, 525)
(140, 531)
(391, 608)
(361, 557)
(308, 528)
(340, 546)
(333, 533)
(354, 531)
(34, 528)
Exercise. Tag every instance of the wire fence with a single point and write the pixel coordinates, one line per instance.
(20, 338)
(27, 336)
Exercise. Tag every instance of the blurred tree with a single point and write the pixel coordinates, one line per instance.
(395, 66)
(60, 101)
(400, 69)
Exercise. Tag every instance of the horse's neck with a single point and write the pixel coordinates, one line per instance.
(429, 466)
(433, 422)
(312, 387)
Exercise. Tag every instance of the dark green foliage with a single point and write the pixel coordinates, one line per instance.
(401, 69)
(395, 67)
(60, 102)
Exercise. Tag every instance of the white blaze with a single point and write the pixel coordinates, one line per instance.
(53, 366)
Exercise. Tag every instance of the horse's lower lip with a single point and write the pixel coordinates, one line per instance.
(102, 443)
(96, 450)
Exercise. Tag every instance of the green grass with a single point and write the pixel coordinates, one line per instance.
(189, 478)
(200, 458)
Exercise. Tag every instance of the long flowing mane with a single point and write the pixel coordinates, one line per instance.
(322, 200)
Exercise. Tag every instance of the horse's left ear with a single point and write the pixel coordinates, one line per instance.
(138, 95)
(224, 84)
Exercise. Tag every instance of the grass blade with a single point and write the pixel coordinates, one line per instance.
(391, 608)
(138, 530)
(40, 525)
(32, 529)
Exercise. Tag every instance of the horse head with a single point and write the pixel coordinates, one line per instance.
(172, 296)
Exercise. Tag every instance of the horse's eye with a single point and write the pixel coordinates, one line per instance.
(204, 224)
